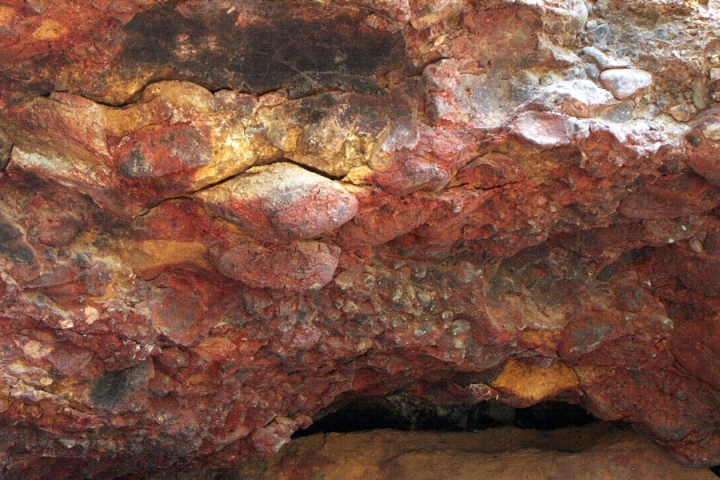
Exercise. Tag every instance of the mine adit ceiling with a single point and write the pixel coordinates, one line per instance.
(219, 217)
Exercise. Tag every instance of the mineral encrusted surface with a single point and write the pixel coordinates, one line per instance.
(217, 217)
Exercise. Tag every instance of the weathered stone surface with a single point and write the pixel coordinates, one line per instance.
(578, 98)
(598, 452)
(296, 267)
(544, 129)
(282, 203)
(625, 82)
(218, 217)
(670, 197)
(155, 153)
(703, 148)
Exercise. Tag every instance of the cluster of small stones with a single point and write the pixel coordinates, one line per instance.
(218, 217)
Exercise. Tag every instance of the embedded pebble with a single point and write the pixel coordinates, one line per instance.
(543, 129)
(683, 112)
(625, 82)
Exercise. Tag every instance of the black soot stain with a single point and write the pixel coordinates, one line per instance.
(305, 49)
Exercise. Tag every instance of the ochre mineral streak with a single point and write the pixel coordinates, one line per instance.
(217, 217)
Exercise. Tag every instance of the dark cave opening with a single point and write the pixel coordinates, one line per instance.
(406, 412)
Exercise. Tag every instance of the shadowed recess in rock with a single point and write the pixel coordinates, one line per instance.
(406, 412)
(113, 388)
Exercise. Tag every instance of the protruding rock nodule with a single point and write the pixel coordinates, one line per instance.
(304, 265)
(579, 98)
(282, 202)
(543, 129)
(625, 82)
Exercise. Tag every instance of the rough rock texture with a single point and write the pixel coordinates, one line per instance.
(596, 452)
(219, 216)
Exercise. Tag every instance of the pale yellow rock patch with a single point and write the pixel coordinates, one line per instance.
(156, 253)
(49, 30)
(7, 13)
(185, 95)
(36, 350)
(91, 314)
(234, 152)
(533, 383)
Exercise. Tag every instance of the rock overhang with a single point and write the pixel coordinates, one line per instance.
(217, 217)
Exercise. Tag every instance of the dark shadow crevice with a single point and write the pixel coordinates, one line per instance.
(409, 413)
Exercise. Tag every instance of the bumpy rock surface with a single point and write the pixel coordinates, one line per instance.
(219, 216)
(596, 452)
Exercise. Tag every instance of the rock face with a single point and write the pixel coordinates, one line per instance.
(217, 217)
(596, 452)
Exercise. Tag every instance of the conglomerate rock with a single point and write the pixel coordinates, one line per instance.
(219, 216)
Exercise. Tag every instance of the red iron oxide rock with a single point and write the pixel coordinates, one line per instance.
(282, 203)
(296, 267)
(218, 217)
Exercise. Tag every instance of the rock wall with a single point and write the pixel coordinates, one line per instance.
(219, 216)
